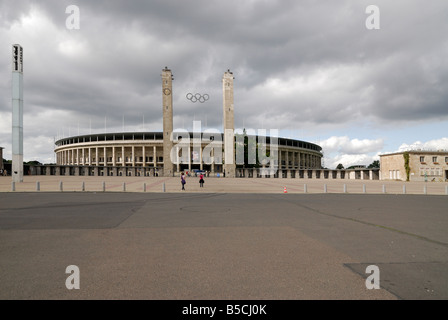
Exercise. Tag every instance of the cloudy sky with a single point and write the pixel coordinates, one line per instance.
(310, 68)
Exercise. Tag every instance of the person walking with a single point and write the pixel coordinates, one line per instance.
(201, 180)
(182, 181)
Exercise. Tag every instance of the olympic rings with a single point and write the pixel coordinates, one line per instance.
(197, 97)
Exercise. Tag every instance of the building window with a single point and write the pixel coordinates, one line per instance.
(434, 159)
(422, 159)
(446, 159)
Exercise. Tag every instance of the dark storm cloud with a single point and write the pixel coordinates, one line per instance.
(308, 62)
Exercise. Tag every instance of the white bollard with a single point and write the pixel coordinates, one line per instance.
(424, 189)
(61, 186)
(404, 189)
(345, 188)
(124, 186)
(384, 188)
(325, 188)
(164, 187)
(144, 187)
(83, 187)
(446, 190)
(104, 186)
(13, 186)
(305, 188)
(364, 188)
(37, 186)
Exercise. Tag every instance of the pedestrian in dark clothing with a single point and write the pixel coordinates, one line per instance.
(182, 180)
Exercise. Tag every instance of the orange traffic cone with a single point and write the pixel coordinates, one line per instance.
(284, 190)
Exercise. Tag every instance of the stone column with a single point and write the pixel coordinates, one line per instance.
(228, 124)
(105, 159)
(155, 156)
(167, 107)
(280, 166)
(133, 156)
(189, 158)
(144, 156)
(177, 159)
(213, 163)
(201, 166)
(293, 160)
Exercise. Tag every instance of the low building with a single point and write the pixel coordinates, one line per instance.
(423, 166)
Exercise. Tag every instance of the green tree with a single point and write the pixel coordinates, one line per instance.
(33, 163)
(251, 146)
(374, 164)
(406, 165)
(340, 166)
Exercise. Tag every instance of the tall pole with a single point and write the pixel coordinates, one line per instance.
(17, 113)
(228, 125)
(167, 100)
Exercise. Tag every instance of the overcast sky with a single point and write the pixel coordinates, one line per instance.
(311, 69)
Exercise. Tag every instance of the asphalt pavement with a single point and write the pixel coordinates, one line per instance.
(223, 246)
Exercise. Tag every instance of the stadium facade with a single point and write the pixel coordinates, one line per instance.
(170, 152)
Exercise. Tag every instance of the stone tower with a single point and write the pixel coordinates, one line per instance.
(17, 113)
(228, 124)
(167, 93)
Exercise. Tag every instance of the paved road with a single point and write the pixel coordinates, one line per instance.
(222, 246)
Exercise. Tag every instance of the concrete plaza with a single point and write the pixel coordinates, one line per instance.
(219, 245)
(219, 185)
